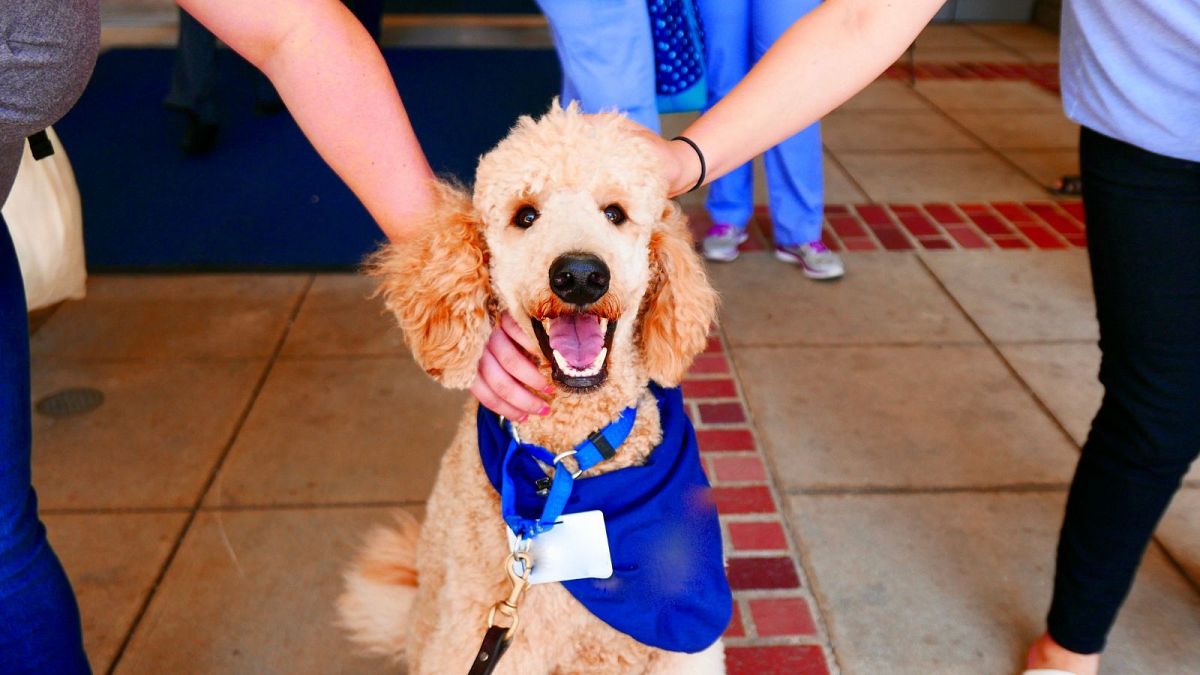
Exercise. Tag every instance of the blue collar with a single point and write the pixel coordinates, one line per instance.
(596, 448)
(668, 588)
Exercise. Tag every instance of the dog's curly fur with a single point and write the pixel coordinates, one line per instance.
(421, 594)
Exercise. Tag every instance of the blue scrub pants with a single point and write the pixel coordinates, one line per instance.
(606, 54)
(737, 33)
(39, 620)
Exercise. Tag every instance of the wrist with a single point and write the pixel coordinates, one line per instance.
(687, 167)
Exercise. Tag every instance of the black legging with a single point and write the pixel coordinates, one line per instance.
(1143, 222)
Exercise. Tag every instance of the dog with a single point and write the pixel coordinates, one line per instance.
(569, 230)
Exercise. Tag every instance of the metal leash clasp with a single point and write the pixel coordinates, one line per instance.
(520, 581)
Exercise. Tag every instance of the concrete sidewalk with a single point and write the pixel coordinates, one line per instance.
(890, 452)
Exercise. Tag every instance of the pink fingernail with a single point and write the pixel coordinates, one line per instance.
(549, 390)
(544, 411)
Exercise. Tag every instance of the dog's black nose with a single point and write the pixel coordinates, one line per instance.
(579, 278)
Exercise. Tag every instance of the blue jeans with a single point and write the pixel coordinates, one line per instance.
(607, 56)
(1143, 223)
(737, 33)
(39, 621)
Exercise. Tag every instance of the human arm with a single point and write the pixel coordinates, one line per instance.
(815, 66)
(336, 85)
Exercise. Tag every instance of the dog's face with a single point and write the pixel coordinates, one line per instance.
(569, 205)
(571, 231)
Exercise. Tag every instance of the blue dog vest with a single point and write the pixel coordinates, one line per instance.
(668, 588)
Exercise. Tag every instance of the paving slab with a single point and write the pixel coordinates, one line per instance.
(1030, 40)
(340, 318)
(960, 583)
(154, 440)
(942, 176)
(886, 95)
(988, 95)
(112, 560)
(254, 592)
(892, 130)
(839, 188)
(884, 298)
(924, 417)
(340, 431)
(176, 317)
(1064, 377)
(1047, 166)
(1028, 131)
(1022, 296)
(950, 35)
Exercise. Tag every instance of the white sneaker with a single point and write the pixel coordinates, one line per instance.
(722, 241)
(817, 261)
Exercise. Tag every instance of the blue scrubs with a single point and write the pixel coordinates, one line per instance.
(737, 34)
(607, 56)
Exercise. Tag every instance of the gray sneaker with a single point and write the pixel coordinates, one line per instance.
(722, 241)
(817, 261)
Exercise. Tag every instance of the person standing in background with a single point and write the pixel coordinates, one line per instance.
(194, 87)
(606, 55)
(737, 34)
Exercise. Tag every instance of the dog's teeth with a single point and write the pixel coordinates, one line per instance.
(562, 362)
(599, 360)
(603, 325)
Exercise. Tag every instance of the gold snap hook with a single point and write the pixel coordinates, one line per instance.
(520, 581)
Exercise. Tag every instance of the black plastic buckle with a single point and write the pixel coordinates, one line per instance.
(40, 145)
(606, 449)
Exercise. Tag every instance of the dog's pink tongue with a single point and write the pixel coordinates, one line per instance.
(578, 338)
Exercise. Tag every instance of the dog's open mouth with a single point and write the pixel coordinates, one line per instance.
(577, 346)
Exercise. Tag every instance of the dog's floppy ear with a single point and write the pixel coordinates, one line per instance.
(680, 305)
(437, 286)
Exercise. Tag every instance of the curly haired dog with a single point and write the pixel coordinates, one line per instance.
(570, 230)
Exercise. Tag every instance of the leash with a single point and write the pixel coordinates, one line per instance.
(518, 565)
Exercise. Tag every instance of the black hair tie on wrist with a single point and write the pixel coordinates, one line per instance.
(700, 155)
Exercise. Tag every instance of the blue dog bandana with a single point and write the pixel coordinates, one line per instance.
(668, 588)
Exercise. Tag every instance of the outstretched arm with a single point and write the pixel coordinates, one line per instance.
(336, 85)
(820, 62)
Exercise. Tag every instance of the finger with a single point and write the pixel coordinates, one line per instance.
(488, 399)
(513, 330)
(508, 389)
(516, 363)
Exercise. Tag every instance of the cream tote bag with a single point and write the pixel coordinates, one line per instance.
(46, 223)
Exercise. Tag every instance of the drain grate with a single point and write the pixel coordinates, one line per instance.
(71, 402)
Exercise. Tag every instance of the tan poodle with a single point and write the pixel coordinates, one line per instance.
(570, 230)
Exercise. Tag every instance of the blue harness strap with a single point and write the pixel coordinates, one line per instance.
(668, 588)
(598, 447)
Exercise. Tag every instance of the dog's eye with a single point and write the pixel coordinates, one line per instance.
(615, 214)
(525, 217)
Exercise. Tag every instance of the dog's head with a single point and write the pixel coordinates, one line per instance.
(571, 231)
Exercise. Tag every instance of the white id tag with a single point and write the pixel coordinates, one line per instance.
(575, 548)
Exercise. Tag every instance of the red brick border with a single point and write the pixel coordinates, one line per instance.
(776, 627)
(1044, 225)
(1044, 75)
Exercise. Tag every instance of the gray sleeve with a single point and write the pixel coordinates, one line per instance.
(47, 52)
